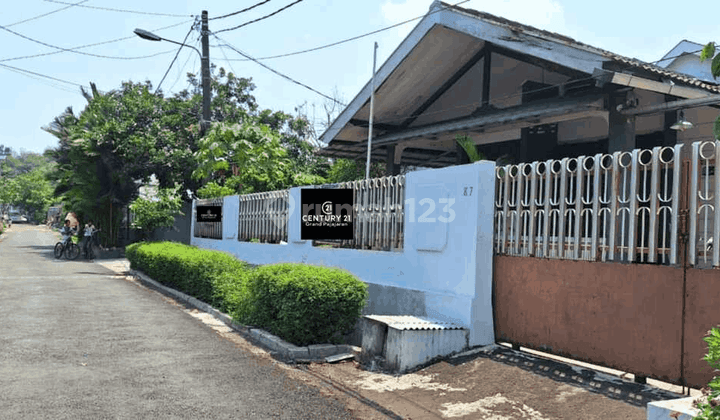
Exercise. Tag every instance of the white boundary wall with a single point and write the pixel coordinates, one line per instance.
(449, 263)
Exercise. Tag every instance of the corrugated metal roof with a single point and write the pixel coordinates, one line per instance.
(411, 322)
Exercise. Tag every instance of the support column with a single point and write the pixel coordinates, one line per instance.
(621, 128)
(462, 157)
(392, 168)
(669, 135)
(621, 138)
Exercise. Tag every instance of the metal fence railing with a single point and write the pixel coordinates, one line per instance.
(212, 230)
(704, 205)
(608, 207)
(377, 214)
(264, 216)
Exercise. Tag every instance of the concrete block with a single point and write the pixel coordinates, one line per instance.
(405, 349)
(373, 337)
(267, 339)
(297, 353)
(321, 351)
(678, 409)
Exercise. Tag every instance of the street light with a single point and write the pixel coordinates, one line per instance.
(204, 60)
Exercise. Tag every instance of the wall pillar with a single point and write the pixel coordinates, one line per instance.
(230, 216)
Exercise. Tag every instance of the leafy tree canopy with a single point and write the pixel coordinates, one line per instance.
(710, 52)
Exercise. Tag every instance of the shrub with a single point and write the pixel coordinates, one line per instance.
(302, 304)
(709, 409)
(186, 268)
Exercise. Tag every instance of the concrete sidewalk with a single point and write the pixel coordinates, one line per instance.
(494, 382)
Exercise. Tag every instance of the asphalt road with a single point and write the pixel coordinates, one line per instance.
(79, 342)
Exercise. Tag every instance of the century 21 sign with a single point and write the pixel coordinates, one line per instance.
(326, 213)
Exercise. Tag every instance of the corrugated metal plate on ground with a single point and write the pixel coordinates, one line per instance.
(410, 322)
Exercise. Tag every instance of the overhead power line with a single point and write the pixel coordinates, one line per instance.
(240, 11)
(16, 69)
(175, 58)
(48, 13)
(180, 73)
(349, 39)
(73, 49)
(259, 19)
(119, 10)
(276, 72)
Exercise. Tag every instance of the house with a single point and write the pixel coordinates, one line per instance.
(519, 91)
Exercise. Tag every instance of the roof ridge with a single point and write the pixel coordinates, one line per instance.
(635, 62)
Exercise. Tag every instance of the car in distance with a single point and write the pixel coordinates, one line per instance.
(16, 217)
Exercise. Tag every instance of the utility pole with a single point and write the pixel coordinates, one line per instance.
(205, 63)
(372, 111)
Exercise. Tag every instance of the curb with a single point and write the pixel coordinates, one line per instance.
(286, 352)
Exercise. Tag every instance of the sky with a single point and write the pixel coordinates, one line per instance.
(29, 101)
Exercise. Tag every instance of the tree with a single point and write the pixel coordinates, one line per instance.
(243, 158)
(25, 183)
(118, 142)
(345, 170)
(34, 194)
(157, 213)
(710, 52)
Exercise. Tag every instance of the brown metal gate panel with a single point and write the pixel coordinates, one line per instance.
(702, 313)
(623, 316)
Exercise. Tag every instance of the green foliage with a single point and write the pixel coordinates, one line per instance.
(151, 214)
(213, 190)
(25, 184)
(303, 304)
(709, 52)
(469, 147)
(345, 170)
(300, 303)
(121, 137)
(245, 157)
(708, 411)
(186, 268)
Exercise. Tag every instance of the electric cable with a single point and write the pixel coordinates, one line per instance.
(39, 75)
(157, 89)
(191, 54)
(239, 11)
(259, 19)
(222, 50)
(277, 72)
(77, 52)
(95, 44)
(353, 38)
(120, 10)
(46, 14)
(43, 81)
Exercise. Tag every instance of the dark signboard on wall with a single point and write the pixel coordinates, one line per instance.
(326, 213)
(208, 213)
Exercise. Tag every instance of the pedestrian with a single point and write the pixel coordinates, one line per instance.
(89, 229)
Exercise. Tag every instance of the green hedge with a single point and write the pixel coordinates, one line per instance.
(185, 268)
(299, 303)
(303, 304)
